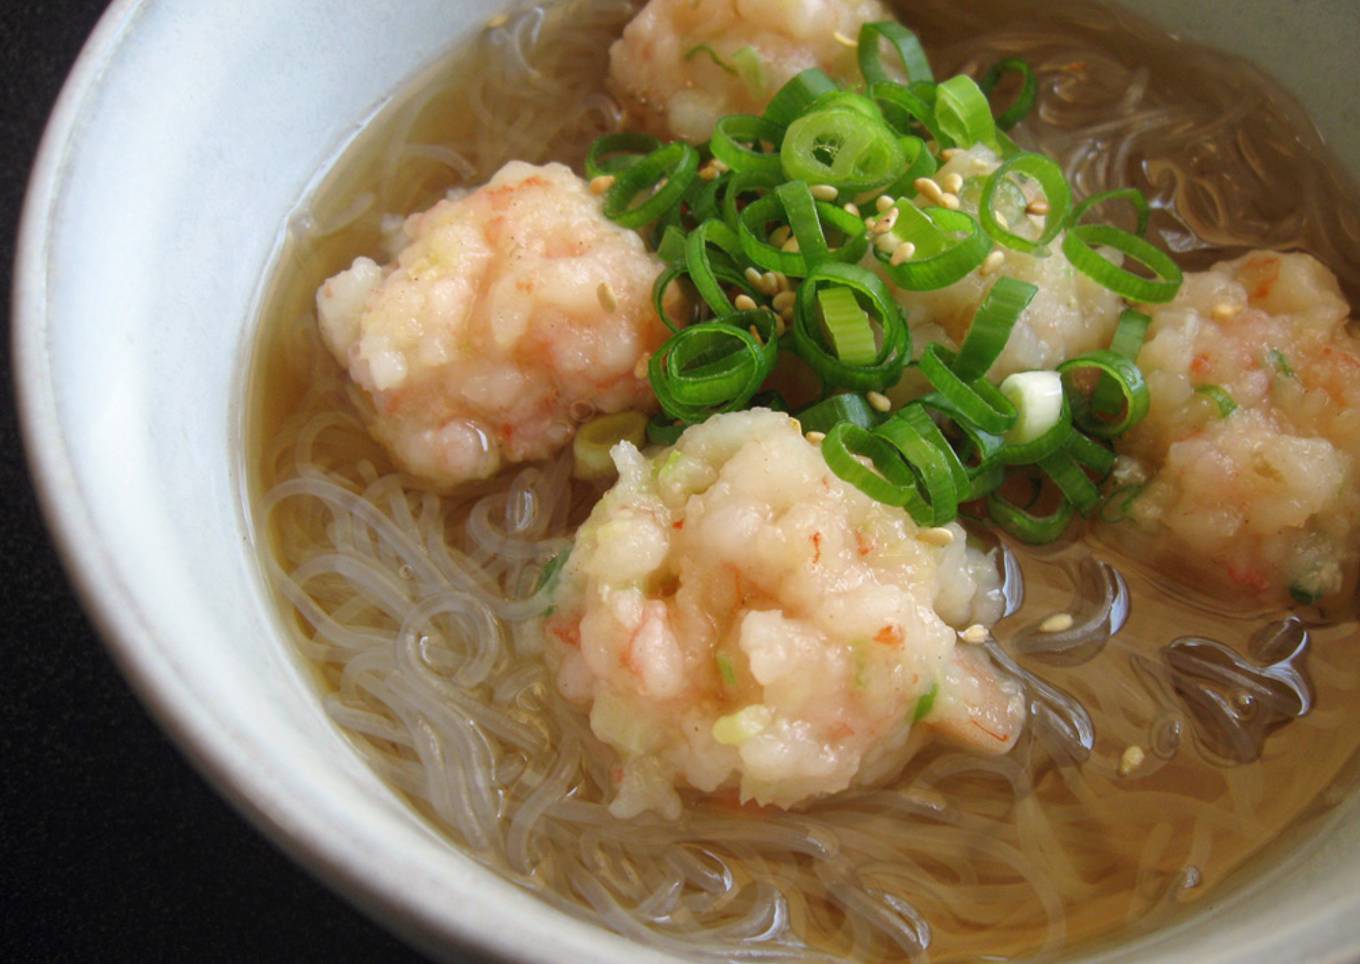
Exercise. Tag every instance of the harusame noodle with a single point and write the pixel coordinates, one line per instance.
(414, 608)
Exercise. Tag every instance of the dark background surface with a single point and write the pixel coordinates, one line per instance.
(110, 845)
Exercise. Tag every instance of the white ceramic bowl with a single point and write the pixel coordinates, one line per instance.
(185, 134)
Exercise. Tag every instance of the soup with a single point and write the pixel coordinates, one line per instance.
(1171, 736)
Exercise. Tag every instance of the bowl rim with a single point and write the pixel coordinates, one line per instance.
(221, 758)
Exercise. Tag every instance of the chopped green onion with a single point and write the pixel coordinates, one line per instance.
(1128, 342)
(925, 704)
(926, 273)
(1129, 493)
(906, 110)
(908, 48)
(1220, 398)
(1091, 454)
(920, 163)
(847, 326)
(894, 350)
(1132, 195)
(794, 98)
(793, 202)
(1079, 248)
(614, 152)
(802, 212)
(1127, 379)
(850, 407)
(1050, 178)
(847, 100)
(750, 69)
(672, 246)
(1028, 528)
(663, 175)
(1280, 362)
(963, 114)
(733, 132)
(991, 327)
(1044, 422)
(590, 448)
(714, 366)
(1024, 101)
(934, 499)
(1070, 478)
(919, 418)
(663, 430)
(700, 266)
(1303, 595)
(976, 402)
(843, 148)
(738, 185)
(725, 669)
(892, 484)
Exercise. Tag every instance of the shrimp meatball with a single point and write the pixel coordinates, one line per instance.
(511, 313)
(738, 618)
(1070, 313)
(1248, 457)
(682, 64)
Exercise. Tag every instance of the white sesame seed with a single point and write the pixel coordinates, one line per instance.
(950, 201)
(975, 634)
(949, 153)
(640, 366)
(781, 282)
(816, 438)
(879, 402)
(785, 299)
(719, 166)
(499, 20)
(768, 284)
(843, 39)
(887, 243)
(744, 303)
(1057, 623)
(824, 192)
(606, 296)
(781, 234)
(991, 263)
(1001, 219)
(791, 246)
(870, 223)
(598, 185)
(1131, 760)
(753, 276)
(755, 333)
(884, 203)
(938, 536)
(952, 182)
(1039, 207)
(782, 323)
(1223, 311)
(886, 223)
(931, 190)
(850, 207)
(708, 173)
(902, 253)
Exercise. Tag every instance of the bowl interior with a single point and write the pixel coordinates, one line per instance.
(184, 138)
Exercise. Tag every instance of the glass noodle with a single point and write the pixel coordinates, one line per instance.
(414, 607)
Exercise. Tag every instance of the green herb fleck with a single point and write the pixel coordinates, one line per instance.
(1304, 595)
(1224, 401)
(1120, 505)
(926, 703)
(725, 669)
(1280, 362)
(712, 54)
(547, 579)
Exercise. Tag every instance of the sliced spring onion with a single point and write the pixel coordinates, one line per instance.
(969, 248)
(663, 176)
(700, 266)
(934, 497)
(741, 184)
(1050, 179)
(751, 69)
(991, 327)
(1091, 454)
(614, 152)
(847, 326)
(663, 430)
(715, 366)
(1127, 379)
(984, 447)
(1128, 342)
(977, 402)
(1216, 394)
(793, 203)
(1079, 247)
(889, 481)
(1038, 400)
(919, 418)
(590, 448)
(664, 280)
(791, 100)
(847, 100)
(1072, 480)
(907, 110)
(1031, 529)
(925, 704)
(920, 163)
(963, 114)
(843, 148)
(905, 43)
(672, 245)
(1024, 100)
(894, 338)
(1131, 195)
(732, 134)
(1122, 500)
(850, 407)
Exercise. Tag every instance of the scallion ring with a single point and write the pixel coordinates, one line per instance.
(889, 481)
(1072, 480)
(715, 366)
(738, 186)
(1132, 195)
(1128, 338)
(850, 407)
(991, 327)
(666, 173)
(1221, 399)
(792, 100)
(614, 152)
(1128, 379)
(1079, 246)
(843, 148)
(935, 500)
(969, 249)
(1091, 454)
(732, 134)
(1024, 100)
(905, 110)
(1057, 194)
(962, 113)
(700, 266)
(977, 402)
(1034, 530)
(894, 339)
(793, 204)
(903, 42)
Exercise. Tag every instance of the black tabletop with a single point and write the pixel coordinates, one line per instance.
(110, 845)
